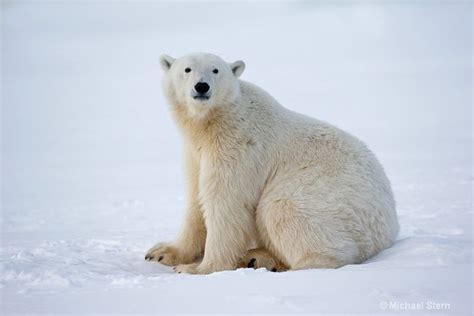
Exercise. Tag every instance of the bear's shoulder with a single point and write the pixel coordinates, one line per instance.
(256, 97)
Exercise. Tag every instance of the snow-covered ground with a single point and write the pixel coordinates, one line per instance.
(91, 159)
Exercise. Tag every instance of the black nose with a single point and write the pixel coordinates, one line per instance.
(201, 87)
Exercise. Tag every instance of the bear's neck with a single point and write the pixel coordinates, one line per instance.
(220, 122)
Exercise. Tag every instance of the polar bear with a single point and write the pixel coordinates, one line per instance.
(268, 187)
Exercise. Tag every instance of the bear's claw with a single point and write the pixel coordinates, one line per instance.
(251, 263)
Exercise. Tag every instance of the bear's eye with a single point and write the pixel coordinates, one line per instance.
(215, 71)
(187, 70)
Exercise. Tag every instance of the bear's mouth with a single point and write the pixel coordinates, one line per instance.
(201, 97)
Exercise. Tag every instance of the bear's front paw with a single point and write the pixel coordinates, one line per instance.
(188, 268)
(164, 253)
(196, 268)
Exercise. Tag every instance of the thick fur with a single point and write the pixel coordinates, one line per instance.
(262, 176)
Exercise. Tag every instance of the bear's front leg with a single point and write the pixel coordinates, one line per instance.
(188, 247)
(230, 230)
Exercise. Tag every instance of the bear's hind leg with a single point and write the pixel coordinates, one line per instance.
(317, 261)
(304, 237)
(262, 258)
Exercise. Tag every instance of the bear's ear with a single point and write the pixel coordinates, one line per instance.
(166, 62)
(237, 67)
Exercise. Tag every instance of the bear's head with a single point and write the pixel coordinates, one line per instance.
(200, 82)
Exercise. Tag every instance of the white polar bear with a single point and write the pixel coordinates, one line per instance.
(301, 192)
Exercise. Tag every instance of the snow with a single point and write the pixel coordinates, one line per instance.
(92, 166)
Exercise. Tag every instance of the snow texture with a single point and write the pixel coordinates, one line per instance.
(92, 166)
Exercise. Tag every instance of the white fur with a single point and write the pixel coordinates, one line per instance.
(262, 175)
